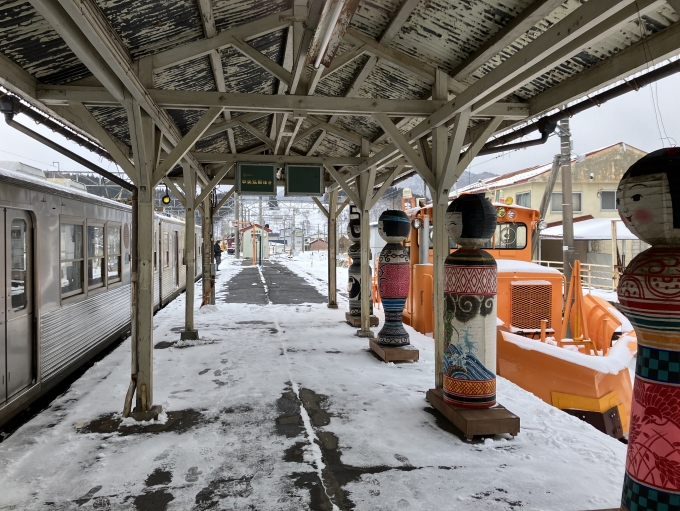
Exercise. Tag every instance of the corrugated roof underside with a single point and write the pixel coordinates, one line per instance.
(442, 33)
(27, 39)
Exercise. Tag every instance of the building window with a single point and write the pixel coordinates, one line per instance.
(523, 199)
(166, 246)
(556, 202)
(95, 256)
(608, 200)
(113, 253)
(71, 256)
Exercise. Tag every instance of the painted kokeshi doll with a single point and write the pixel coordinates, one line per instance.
(393, 276)
(648, 200)
(354, 271)
(470, 284)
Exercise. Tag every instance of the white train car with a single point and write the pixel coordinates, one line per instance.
(66, 281)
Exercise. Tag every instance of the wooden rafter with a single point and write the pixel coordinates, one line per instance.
(210, 31)
(534, 13)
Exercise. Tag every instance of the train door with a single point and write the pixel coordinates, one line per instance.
(17, 304)
(175, 261)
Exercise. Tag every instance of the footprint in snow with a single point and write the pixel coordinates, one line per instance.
(192, 475)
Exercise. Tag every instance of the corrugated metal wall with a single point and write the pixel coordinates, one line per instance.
(70, 331)
(167, 284)
(156, 283)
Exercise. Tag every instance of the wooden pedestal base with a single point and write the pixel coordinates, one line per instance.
(486, 421)
(355, 321)
(395, 354)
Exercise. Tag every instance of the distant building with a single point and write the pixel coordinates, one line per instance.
(594, 182)
(343, 244)
(318, 244)
(595, 179)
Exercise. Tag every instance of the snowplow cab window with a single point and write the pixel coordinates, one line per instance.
(508, 236)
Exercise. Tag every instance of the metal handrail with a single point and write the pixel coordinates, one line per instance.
(598, 276)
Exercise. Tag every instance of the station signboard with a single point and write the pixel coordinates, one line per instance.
(304, 180)
(256, 178)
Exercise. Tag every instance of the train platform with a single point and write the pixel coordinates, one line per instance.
(279, 406)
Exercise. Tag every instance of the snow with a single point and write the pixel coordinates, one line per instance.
(508, 265)
(529, 283)
(625, 324)
(593, 229)
(618, 358)
(608, 294)
(365, 423)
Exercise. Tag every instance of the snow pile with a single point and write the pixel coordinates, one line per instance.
(618, 358)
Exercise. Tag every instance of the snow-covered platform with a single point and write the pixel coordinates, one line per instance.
(281, 407)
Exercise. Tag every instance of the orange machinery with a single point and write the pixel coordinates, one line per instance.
(581, 376)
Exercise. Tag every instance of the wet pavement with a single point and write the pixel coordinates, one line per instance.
(280, 287)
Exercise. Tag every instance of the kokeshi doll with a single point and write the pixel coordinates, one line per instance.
(648, 200)
(354, 271)
(393, 276)
(470, 284)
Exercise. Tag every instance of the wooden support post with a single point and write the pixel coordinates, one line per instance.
(365, 189)
(440, 237)
(189, 332)
(615, 254)
(332, 249)
(142, 134)
(237, 229)
(208, 268)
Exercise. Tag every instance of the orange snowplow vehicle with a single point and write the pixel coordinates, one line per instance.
(586, 376)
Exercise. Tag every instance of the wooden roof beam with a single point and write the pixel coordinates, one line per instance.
(93, 40)
(650, 51)
(241, 102)
(396, 23)
(210, 30)
(609, 20)
(201, 47)
(278, 158)
(522, 23)
(544, 51)
(414, 66)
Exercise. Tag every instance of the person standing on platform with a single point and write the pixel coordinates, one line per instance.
(218, 255)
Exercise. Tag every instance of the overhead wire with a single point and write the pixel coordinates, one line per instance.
(654, 86)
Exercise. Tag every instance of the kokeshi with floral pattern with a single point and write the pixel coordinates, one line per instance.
(648, 200)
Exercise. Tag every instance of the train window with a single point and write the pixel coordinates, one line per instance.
(155, 250)
(182, 246)
(113, 253)
(166, 247)
(18, 238)
(71, 255)
(95, 256)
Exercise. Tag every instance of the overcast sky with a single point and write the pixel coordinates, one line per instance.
(630, 118)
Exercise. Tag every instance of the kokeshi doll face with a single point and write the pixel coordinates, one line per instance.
(645, 206)
(393, 226)
(470, 221)
(454, 225)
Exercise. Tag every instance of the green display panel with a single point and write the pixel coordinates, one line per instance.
(256, 179)
(304, 180)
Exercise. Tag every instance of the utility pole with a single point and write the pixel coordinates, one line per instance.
(568, 255)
